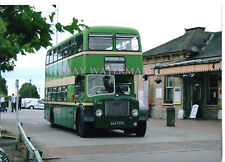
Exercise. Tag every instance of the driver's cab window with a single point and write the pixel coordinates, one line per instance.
(124, 85)
(79, 88)
(123, 88)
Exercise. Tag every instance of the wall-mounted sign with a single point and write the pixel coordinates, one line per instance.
(158, 92)
(177, 95)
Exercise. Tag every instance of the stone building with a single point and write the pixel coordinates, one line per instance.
(187, 71)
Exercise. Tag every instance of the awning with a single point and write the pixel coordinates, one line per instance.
(189, 69)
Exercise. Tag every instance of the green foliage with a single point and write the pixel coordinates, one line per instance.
(59, 27)
(23, 30)
(3, 87)
(51, 17)
(28, 90)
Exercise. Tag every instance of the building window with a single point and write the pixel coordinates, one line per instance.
(169, 58)
(168, 90)
(212, 89)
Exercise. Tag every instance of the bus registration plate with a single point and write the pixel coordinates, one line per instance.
(114, 123)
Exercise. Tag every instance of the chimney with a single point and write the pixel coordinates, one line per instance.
(202, 29)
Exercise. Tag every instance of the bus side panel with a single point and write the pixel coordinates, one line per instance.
(59, 115)
(64, 115)
(70, 116)
(47, 112)
(70, 92)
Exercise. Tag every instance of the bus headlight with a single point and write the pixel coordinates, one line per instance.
(98, 113)
(135, 112)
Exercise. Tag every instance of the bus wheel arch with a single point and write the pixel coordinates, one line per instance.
(76, 118)
(141, 129)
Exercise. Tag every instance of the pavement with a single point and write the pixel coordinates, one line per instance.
(197, 140)
(209, 127)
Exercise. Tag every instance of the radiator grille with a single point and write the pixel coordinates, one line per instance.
(5, 158)
(116, 108)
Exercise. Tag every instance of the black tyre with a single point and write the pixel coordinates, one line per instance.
(52, 122)
(31, 107)
(81, 126)
(141, 129)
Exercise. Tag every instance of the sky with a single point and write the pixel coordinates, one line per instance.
(157, 22)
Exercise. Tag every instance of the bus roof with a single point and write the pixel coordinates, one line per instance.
(111, 29)
(100, 29)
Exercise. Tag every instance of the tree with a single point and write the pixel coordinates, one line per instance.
(23, 30)
(3, 87)
(28, 90)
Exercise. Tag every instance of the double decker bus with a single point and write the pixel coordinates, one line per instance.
(89, 81)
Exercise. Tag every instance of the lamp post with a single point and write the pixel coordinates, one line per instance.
(17, 99)
(30, 89)
(17, 105)
(57, 20)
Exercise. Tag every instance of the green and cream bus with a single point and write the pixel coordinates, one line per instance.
(89, 81)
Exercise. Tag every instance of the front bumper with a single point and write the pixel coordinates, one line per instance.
(116, 122)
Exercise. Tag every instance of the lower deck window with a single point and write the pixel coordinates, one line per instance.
(57, 93)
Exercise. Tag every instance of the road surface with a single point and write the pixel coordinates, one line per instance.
(189, 140)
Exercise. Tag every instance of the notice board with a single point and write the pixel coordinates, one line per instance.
(177, 95)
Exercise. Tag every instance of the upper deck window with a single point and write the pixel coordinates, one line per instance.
(60, 54)
(55, 57)
(127, 42)
(100, 41)
(47, 58)
(78, 41)
(50, 57)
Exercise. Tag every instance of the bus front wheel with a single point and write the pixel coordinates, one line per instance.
(141, 129)
(81, 126)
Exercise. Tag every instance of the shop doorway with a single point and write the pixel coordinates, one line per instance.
(197, 98)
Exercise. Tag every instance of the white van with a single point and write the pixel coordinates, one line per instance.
(32, 103)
